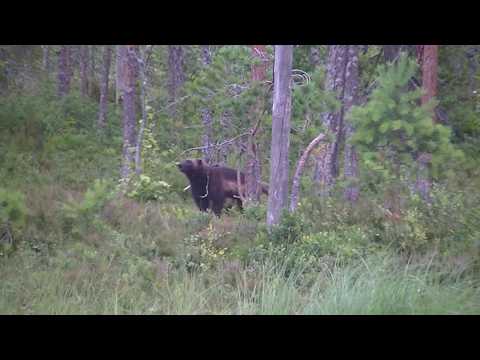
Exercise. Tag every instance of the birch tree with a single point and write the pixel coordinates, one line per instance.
(206, 114)
(128, 84)
(282, 102)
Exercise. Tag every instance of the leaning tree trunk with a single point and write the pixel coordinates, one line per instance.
(176, 75)
(102, 112)
(352, 190)
(252, 171)
(299, 170)
(282, 102)
(83, 70)
(327, 161)
(206, 115)
(129, 80)
(64, 70)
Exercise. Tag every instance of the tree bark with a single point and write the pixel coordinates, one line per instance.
(429, 74)
(352, 190)
(129, 80)
(428, 59)
(47, 67)
(102, 113)
(206, 114)
(282, 98)
(327, 161)
(314, 56)
(143, 66)
(64, 70)
(83, 70)
(118, 73)
(176, 75)
(299, 170)
(252, 171)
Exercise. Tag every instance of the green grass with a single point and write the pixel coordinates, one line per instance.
(84, 281)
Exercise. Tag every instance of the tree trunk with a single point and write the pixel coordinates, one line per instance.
(64, 70)
(206, 115)
(176, 75)
(428, 59)
(252, 171)
(129, 80)
(47, 67)
(102, 113)
(314, 56)
(327, 161)
(429, 74)
(83, 70)
(143, 66)
(350, 98)
(118, 73)
(282, 98)
(390, 52)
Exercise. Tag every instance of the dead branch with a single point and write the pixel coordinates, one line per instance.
(299, 170)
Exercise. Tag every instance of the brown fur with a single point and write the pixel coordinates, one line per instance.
(213, 185)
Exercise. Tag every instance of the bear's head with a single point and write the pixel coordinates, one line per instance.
(192, 167)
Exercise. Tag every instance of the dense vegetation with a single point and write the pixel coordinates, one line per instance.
(76, 238)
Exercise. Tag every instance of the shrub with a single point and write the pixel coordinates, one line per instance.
(79, 216)
(13, 213)
(145, 189)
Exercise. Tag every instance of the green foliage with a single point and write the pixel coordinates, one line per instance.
(79, 216)
(13, 213)
(146, 189)
(392, 130)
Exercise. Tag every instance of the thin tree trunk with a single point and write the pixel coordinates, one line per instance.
(252, 171)
(102, 113)
(47, 67)
(314, 56)
(429, 61)
(352, 190)
(299, 170)
(118, 73)
(429, 74)
(206, 115)
(83, 70)
(327, 161)
(143, 66)
(176, 75)
(129, 80)
(64, 70)
(282, 99)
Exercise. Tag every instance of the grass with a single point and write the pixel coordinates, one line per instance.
(93, 282)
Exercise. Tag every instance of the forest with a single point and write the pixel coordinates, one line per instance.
(240, 180)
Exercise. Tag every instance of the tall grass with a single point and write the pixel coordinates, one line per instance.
(101, 284)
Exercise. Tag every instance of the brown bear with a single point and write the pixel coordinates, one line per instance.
(212, 184)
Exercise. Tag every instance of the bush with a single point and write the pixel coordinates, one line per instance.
(13, 213)
(145, 189)
(80, 216)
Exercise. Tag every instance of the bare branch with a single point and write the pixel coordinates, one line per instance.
(299, 170)
(215, 145)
